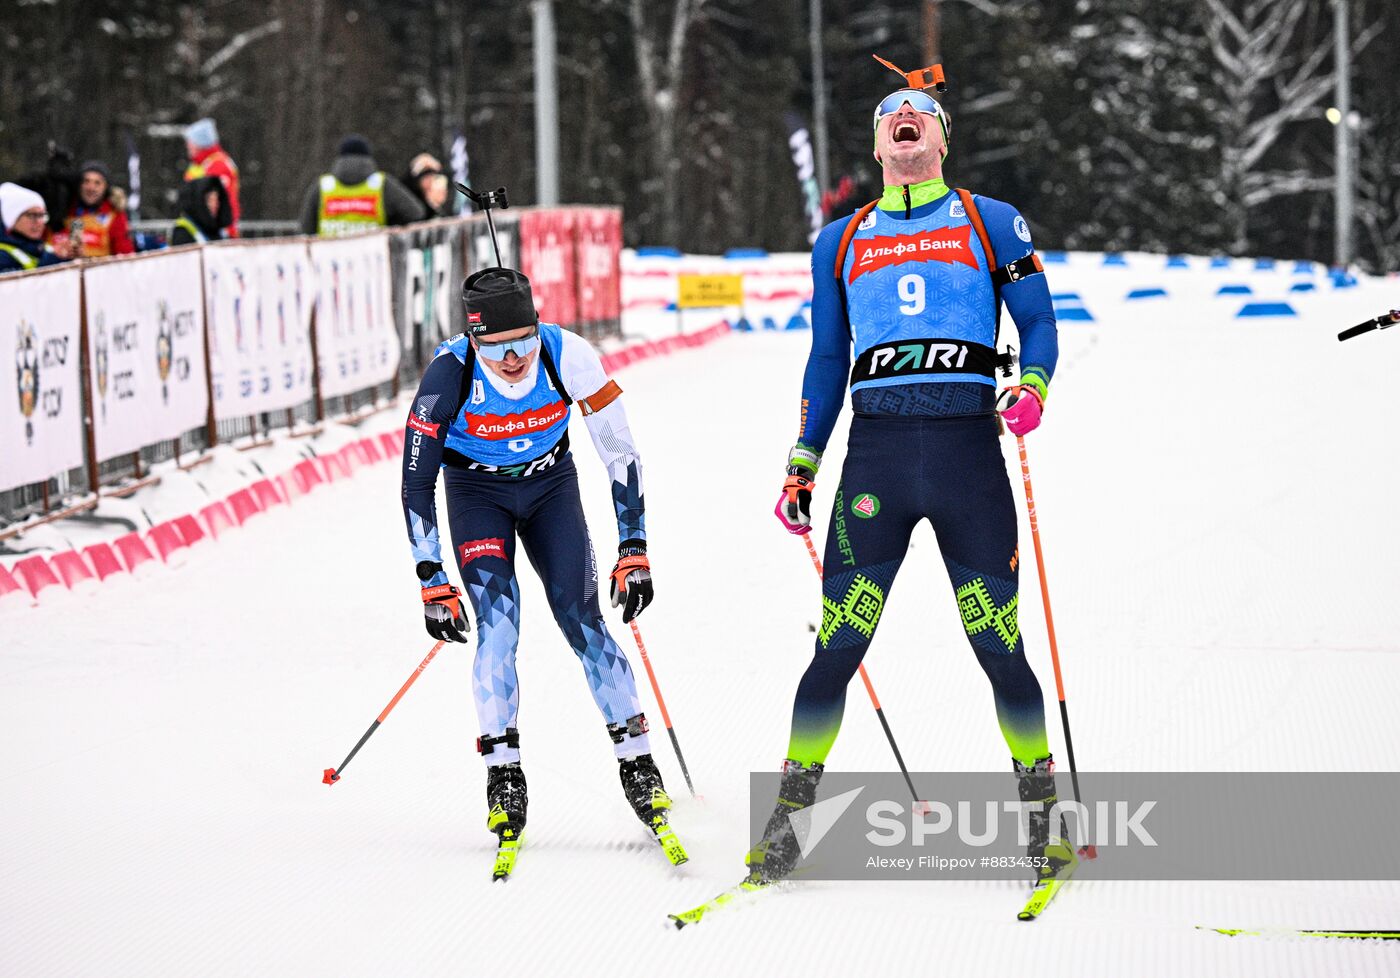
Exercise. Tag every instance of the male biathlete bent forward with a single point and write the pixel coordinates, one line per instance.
(493, 412)
(918, 298)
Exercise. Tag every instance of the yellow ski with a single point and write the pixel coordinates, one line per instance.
(1345, 935)
(1048, 887)
(694, 915)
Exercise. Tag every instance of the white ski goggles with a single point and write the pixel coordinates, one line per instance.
(918, 101)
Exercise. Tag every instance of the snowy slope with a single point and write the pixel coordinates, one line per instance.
(1215, 502)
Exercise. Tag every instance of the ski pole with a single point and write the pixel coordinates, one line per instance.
(661, 702)
(1384, 321)
(1049, 618)
(919, 804)
(332, 774)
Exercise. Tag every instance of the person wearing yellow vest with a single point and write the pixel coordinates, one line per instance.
(208, 159)
(23, 218)
(356, 196)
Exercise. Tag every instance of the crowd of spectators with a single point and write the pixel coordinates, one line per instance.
(66, 211)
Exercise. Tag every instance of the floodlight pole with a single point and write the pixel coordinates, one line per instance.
(546, 106)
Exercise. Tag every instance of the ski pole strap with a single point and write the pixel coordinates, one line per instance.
(487, 745)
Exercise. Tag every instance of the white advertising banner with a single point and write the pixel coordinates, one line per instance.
(356, 342)
(41, 411)
(145, 350)
(259, 300)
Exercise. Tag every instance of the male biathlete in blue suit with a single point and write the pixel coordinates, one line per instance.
(492, 412)
(914, 284)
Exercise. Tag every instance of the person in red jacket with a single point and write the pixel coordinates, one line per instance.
(100, 227)
(208, 159)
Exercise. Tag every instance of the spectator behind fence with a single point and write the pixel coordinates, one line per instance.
(356, 195)
(204, 212)
(208, 159)
(57, 183)
(429, 184)
(23, 220)
(94, 220)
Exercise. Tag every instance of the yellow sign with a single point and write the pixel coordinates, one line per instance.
(709, 291)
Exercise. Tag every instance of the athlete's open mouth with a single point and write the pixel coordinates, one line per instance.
(906, 132)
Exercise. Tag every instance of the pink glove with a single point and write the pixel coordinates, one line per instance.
(794, 509)
(1022, 410)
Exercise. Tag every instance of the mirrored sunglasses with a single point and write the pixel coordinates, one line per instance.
(522, 347)
(918, 101)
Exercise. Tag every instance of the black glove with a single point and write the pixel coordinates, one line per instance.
(631, 579)
(442, 606)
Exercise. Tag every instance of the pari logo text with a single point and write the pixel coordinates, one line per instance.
(950, 245)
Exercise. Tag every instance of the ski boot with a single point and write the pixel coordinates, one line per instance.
(1050, 852)
(506, 801)
(641, 783)
(777, 852)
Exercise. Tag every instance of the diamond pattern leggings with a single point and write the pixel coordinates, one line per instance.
(487, 513)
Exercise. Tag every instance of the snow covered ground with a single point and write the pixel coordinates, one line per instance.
(1216, 502)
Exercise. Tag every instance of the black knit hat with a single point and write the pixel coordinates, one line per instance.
(354, 145)
(498, 300)
(100, 168)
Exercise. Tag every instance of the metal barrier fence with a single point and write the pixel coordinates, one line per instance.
(158, 231)
(571, 255)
